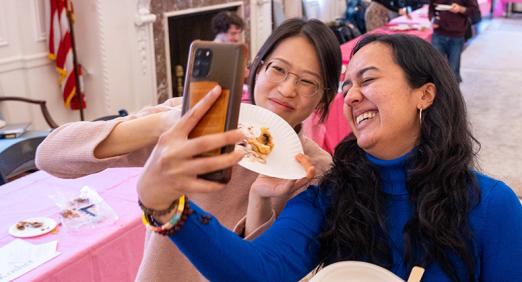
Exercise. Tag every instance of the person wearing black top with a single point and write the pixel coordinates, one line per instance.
(450, 19)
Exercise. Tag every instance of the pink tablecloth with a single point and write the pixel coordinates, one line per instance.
(106, 253)
(335, 127)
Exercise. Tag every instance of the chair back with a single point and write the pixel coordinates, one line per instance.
(43, 107)
(121, 113)
(17, 154)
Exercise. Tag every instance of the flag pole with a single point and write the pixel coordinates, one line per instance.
(75, 61)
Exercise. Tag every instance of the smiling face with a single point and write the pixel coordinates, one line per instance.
(298, 56)
(380, 105)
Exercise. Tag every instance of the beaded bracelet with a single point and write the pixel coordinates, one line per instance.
(175, 218)
(187, 211)
(150, 223)
(174, 224)
(156, 212)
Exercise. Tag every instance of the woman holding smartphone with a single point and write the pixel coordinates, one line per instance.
(403, 190)
(295, 72)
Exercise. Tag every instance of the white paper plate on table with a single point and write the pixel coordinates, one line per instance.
(442, 7)
(402, 27)
(48, 224)
(281, 161)
(348, 271)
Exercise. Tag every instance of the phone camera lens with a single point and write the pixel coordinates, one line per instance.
(202, 63)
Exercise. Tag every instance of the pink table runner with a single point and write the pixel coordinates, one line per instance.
(335, 127)
(108, 253)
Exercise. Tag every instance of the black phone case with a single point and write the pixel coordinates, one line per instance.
(226, 67)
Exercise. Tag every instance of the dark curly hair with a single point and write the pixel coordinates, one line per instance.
(222, 21)
(441, 185)
(325, 44)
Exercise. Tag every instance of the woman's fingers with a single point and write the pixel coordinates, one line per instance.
(204, 165)
(210, 142)
(209, 164)
(192, 117)
(307, 165)
(305, 161)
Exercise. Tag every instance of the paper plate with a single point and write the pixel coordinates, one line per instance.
(281, 161)
(442, 7)
(48, 224)
(401, 27)
(348, 271)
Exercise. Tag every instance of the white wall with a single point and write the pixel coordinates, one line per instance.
(114, 43)
(326, 10)
(261, 23)
(24, 68)
(332, 9)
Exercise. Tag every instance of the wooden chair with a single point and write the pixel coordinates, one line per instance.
(43, 108)
(17, 154)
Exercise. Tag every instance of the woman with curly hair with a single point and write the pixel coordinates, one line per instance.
(403, 190)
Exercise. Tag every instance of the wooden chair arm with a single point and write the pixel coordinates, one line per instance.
(43, 107)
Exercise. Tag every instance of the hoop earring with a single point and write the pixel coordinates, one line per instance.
(420, 116)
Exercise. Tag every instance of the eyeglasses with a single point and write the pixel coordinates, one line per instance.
(277, 72)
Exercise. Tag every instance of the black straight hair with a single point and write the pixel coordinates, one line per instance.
(327, 49)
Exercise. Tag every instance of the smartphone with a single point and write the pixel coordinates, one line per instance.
(209, 64)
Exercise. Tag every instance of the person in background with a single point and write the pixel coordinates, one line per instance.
(449, 28)
(228, 27)
(380, 12)
(295, 73)
(403, 190)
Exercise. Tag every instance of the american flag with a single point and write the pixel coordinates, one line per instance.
(61, 50)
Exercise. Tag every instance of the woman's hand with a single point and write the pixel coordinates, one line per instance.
(270, 187)
(456, 8)
(269, 194)
(172, 167)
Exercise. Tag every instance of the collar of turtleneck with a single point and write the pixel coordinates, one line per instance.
(393, 174)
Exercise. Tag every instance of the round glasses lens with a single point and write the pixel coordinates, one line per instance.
(307, 88)
(275, 73)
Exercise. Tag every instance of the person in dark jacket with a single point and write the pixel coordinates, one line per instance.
(450, 19)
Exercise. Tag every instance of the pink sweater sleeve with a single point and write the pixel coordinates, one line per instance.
(68, 151)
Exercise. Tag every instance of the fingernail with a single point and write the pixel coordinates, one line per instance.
(216, 89)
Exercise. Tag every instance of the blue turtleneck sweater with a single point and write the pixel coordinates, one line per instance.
(286, 251)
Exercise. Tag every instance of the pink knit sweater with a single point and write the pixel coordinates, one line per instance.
(68, 153)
